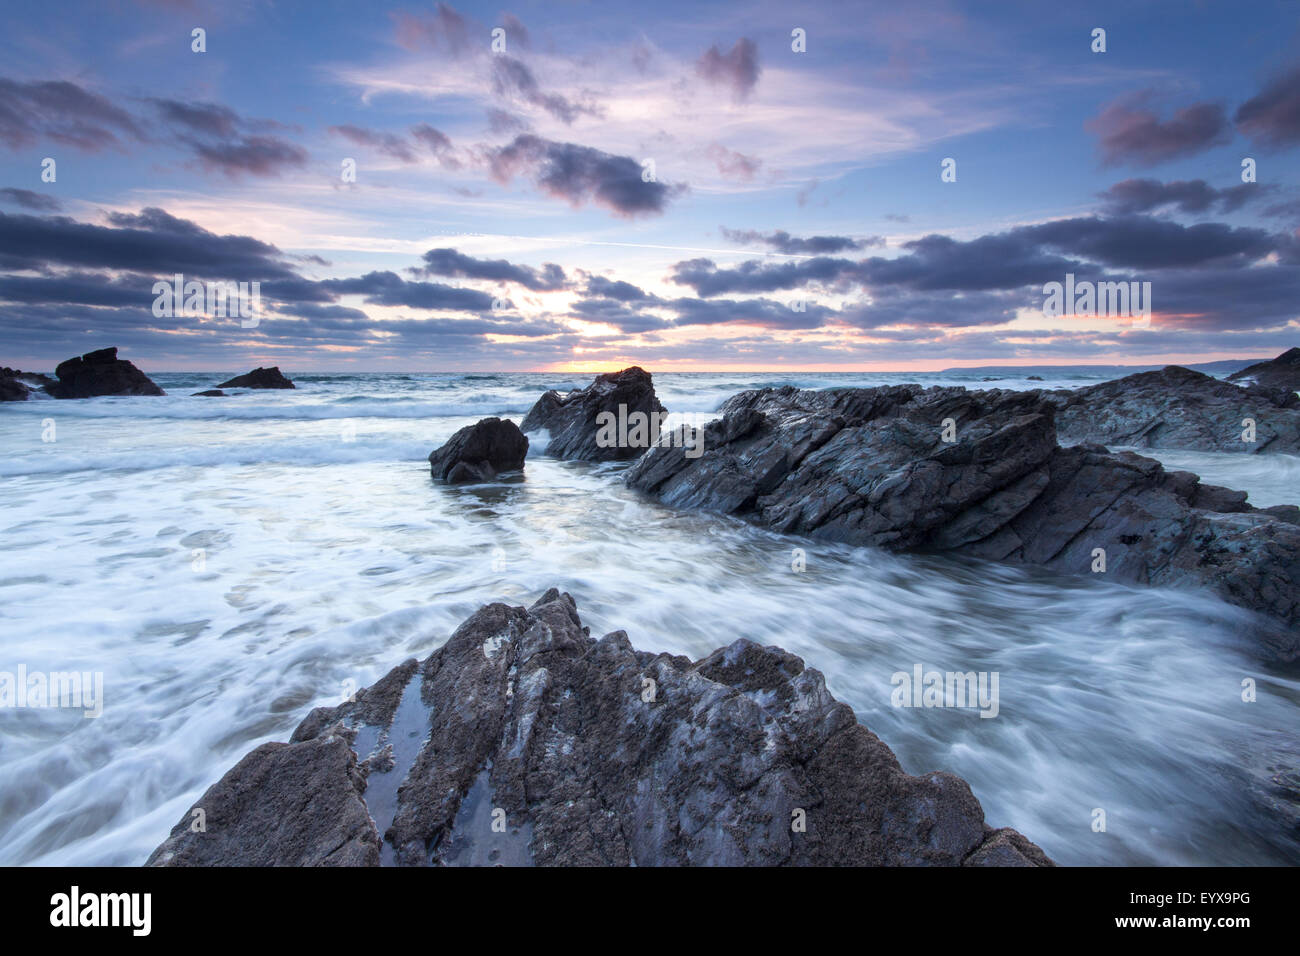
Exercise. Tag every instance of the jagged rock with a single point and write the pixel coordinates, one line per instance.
(571, 420)
(100, 373)
(523, 717)
(480, 452)
(870, 467)
(1282, 372)
(1179, 408)
(210, 393)
(259, 378)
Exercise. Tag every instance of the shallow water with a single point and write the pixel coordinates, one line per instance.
(230, 563)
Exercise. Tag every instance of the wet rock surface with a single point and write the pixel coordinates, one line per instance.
(870, 466)
(1282, 372)
(572, 423)
(259, 378)
(523, 740)
(1180, 408)
(480, 452)
(100, 373)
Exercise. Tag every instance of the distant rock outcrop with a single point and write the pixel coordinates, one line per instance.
(259, 378)
(100, 373)
(980, 474)
(525, 741)
(17, 386)
(1282, 372)
(210, 393)
(574, 421)
(479, 452)
(1180, 408)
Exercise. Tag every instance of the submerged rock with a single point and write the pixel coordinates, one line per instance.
(1180, 408)
(872, 466)
(574, 421)
(259, 378)
(479, 452)
(210, 393)
(1282, 372)
(100, 373)
(523, 740)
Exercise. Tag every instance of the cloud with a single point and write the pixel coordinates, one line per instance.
(449, 262)
(783, 242)
(733, 164)
(1024, 256)
(511, 78)
(736, 69)
(445, 29)
(386, 143)
(151, 241)
(64, 113)
(1272, 117)
(27, 199)
(1189, 196)
(227, 143)
(581, 174)
(1128, 132)
(388, 288)
(616, 289)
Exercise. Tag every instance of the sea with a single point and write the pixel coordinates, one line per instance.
(224, 565)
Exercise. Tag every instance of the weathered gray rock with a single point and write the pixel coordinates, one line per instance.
(572, 423)
(1179, 408)
(259, 378)
(481, 451)
(1282, 372)
(870, 467)
(100, 373)
(523, 714)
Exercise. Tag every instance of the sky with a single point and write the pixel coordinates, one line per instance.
(582, 186)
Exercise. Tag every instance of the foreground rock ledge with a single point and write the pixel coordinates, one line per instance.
(870, 466)
(522, 711)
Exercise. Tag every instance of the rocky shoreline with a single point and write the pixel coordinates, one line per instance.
(525, 741)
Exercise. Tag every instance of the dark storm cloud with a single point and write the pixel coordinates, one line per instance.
(1272, 118)
(616, 289)
(581, 174)
(618, 314)
(1129, 132)
(64, 113)
(511, 78)
(783, 242)
(767, 313)
(78, 288)
(1187, 195)
(1026, 255)
(27, 199)
(736, 69)
(449, 262)
(151, 242)
(388, 288)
